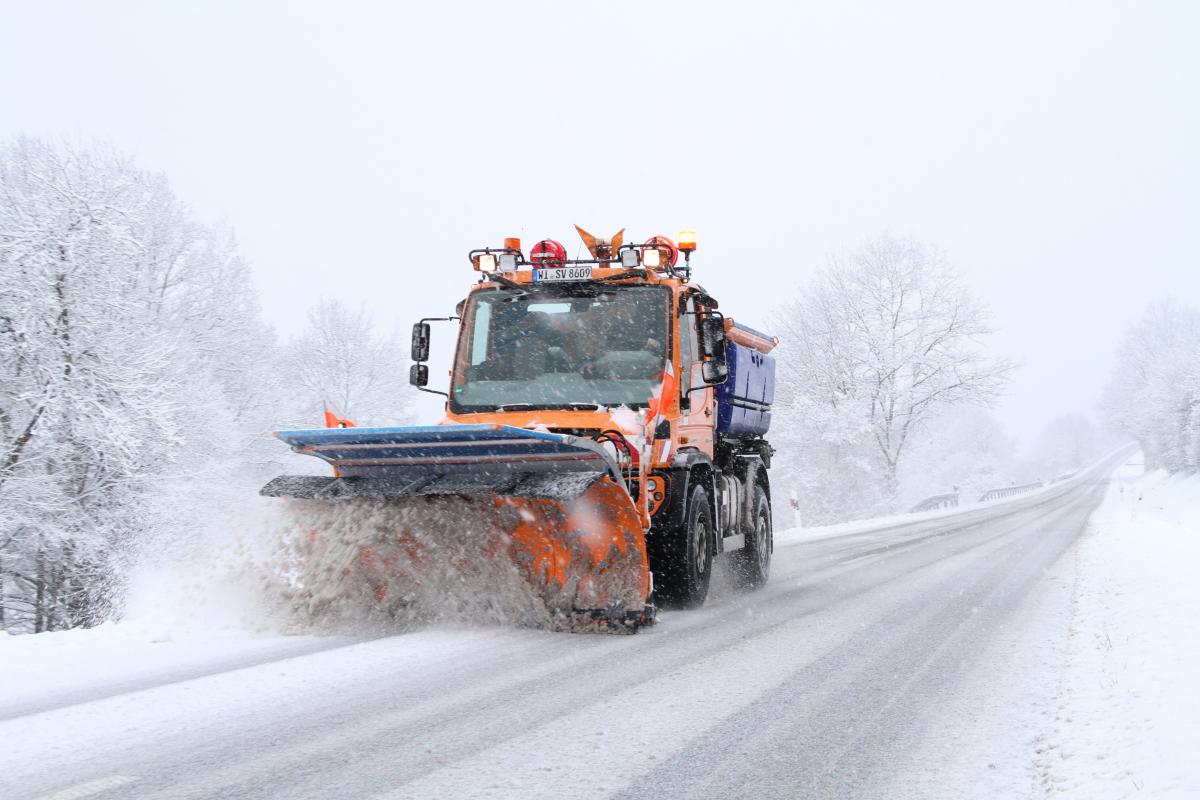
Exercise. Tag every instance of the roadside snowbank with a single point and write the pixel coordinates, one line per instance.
(1091, 690)
(1130, 706)
(785, 536)
(49, 670)
(792, 536)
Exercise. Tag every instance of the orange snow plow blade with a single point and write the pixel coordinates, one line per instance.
(468, 522)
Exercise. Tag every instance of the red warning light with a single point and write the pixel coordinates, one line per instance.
(548, 253)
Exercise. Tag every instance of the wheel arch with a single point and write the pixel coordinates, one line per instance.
(690, 467)
(762, 478)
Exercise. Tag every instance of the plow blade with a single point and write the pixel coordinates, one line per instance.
(485, 520)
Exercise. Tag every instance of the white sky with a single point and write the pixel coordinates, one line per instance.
(361, 149)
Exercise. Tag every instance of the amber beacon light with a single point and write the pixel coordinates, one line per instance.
(687, 241)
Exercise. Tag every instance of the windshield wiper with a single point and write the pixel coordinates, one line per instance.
(629, 273)
(531, 406)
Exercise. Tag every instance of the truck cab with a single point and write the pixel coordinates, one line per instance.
(626, 350)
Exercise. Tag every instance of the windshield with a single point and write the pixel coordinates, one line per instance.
(561, 347)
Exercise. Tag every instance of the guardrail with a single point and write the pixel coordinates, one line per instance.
(1009, 491)
(949, 500)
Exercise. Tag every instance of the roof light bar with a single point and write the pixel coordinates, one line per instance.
(496, 259)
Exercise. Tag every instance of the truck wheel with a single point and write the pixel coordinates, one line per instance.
(684, 557)
(752, 564)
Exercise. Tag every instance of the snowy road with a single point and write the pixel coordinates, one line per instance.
(813, 687)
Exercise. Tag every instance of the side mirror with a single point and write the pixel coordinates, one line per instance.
(420, 344)
(712, 337)
(714, 372)
(418, 375)
(715, 368)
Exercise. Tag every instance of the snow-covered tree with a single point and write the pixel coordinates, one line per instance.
(126, 338)
(339, 362)
(826, 461)
(1154, 394)
(877, 345)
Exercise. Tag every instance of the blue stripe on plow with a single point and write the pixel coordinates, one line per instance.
(461, 446)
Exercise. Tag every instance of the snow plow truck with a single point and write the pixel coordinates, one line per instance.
(604, 442)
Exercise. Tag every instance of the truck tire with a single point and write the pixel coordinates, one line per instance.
(684, 556)
(752, 564)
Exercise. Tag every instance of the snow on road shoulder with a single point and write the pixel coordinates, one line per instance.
(1090, 691)
(203, 611)
(48, 670)
(797, 535)
(787, 536)
(1130, 717)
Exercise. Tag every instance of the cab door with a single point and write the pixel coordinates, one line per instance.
(697, 401)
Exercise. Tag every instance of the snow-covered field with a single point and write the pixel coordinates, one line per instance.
(1095, 692)
(1126, 713)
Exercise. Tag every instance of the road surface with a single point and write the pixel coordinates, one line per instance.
(815, 686)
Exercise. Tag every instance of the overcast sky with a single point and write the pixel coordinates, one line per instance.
(361, 149)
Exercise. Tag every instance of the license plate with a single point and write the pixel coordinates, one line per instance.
(562, 274)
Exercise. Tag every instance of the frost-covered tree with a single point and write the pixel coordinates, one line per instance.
(877, 345)
(827, 463)
(127, 337)
(1154, 394)
(339, 362)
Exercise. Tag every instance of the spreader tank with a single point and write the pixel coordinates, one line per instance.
(744, 400)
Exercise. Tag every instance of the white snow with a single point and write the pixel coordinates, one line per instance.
(1094, 690)
(795, 535)
(1092, 694)
(627, 420)
(1129, 720)
(54, 669)
(62, 666)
